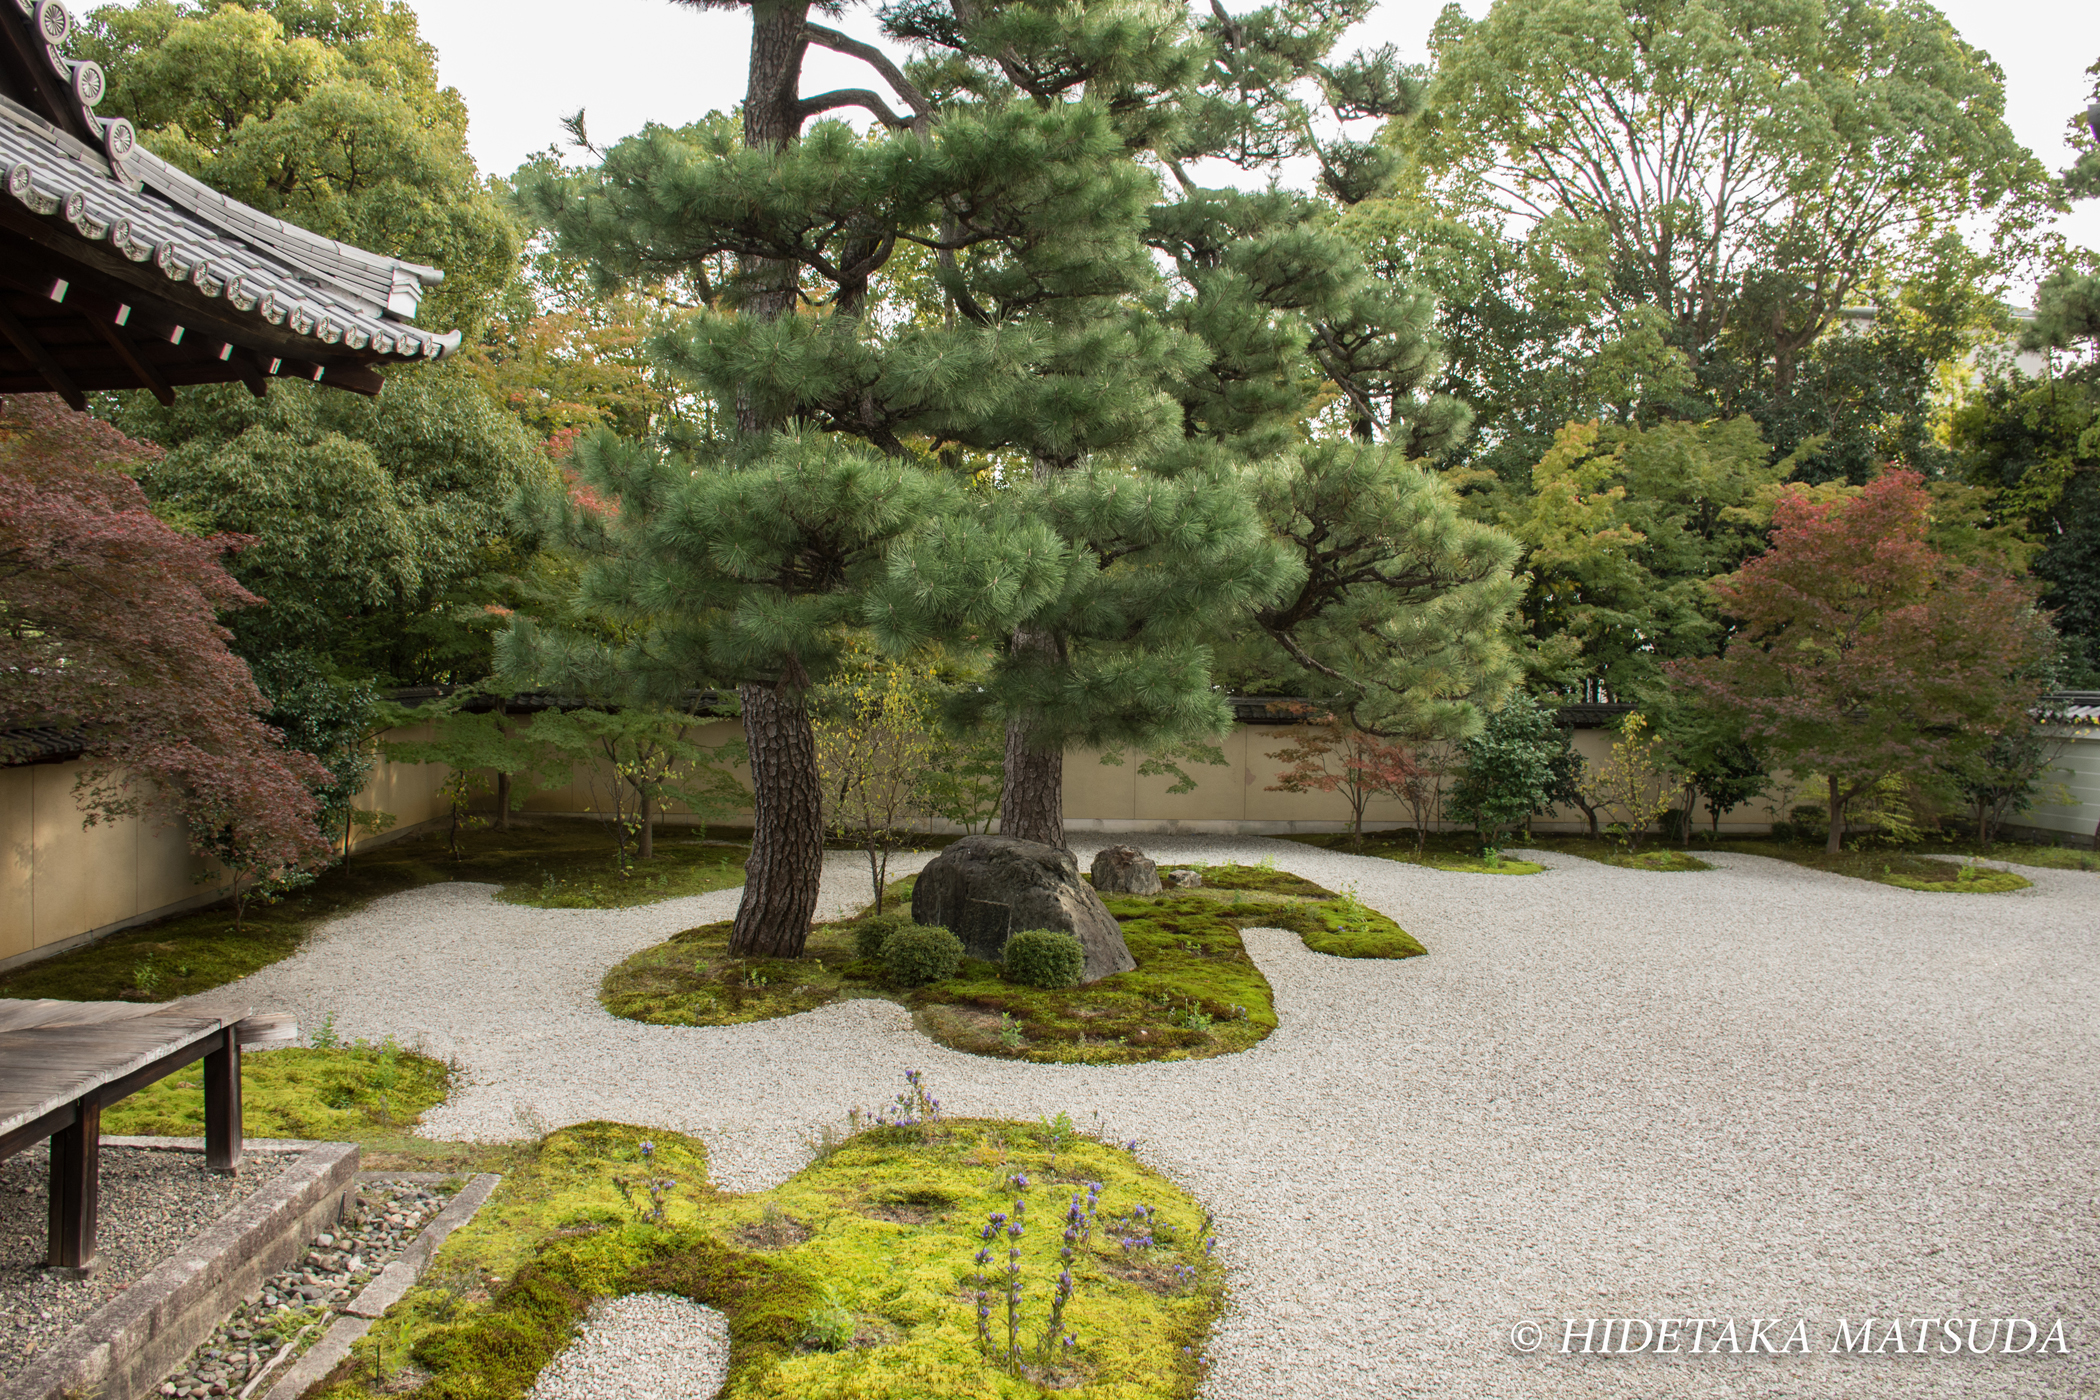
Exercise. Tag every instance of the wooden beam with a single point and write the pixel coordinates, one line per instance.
(36, 1130)
(127, 1085)
(119, 342)
(357, 378)
(254, 369)
(25, 341)
(222, 1104)
(76, 1189)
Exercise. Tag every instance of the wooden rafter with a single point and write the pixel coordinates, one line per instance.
(13, 327)
(128, 353)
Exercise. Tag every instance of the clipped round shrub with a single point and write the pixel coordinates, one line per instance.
(872, 932)
(1044, 957)
(917, 954)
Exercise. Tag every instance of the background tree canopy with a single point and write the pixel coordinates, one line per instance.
(1495, 400)
(381, 524)
(326, 112)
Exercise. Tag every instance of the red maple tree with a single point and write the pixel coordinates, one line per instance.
(109, 633)
(1331, 755)
(1861, 652)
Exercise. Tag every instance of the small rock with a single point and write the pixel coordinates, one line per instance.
(1185, 879)
(1124, 870)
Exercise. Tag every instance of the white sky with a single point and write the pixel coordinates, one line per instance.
(523, 64)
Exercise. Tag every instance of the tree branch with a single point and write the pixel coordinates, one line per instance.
(850, 97)
(922, 110)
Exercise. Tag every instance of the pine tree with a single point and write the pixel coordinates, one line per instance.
(1370, 581)
(1095, 425)
(1023, 436)
(1316, 378)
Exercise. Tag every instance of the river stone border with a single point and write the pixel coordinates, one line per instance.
(124, 1347)
(382, 1292)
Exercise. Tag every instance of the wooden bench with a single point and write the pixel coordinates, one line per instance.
(62, 1062)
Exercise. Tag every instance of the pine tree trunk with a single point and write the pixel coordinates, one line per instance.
(787, 838)
(1032, 808)
(772, 119)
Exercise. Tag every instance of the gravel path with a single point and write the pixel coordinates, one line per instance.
(1756, 1092)
(152, 1203)
(646, 1346)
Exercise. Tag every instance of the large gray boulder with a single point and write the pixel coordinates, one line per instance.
(984, 889)
(1124, 870)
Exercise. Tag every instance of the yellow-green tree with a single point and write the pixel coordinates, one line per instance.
(875, 741)
(1636, 785)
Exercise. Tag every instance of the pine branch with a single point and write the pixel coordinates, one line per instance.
(849, 97)
(922, 110)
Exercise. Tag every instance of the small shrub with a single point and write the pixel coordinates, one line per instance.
(1806, 825)
(1043, 957)
(916, 955)
(829, 1326)
(872, 932)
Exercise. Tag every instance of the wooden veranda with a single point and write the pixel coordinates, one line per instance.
(63, 1062)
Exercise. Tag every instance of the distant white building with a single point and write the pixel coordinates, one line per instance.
(2075, 729)
(1854, 320)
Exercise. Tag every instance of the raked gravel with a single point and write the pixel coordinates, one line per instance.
(1760, 1091)
(646, 1346)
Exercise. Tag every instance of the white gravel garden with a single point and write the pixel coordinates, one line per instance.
(1752, 1094)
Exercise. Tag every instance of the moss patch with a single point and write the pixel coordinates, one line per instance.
(505, 1293)
(1346, 930)
(1952, 877)
(1443, 850)
(692, 981)
(1195, 992)
(1903, 869)
(1663, 858)
(1261, 879)
(336, 1095)
(566, 864)
(2044, 857)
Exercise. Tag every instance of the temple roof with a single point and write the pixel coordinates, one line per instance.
(117, 270)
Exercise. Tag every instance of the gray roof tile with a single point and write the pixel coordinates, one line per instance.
(152, 212)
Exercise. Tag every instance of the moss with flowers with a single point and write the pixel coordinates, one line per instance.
(859, 1276)
(1195, 992)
